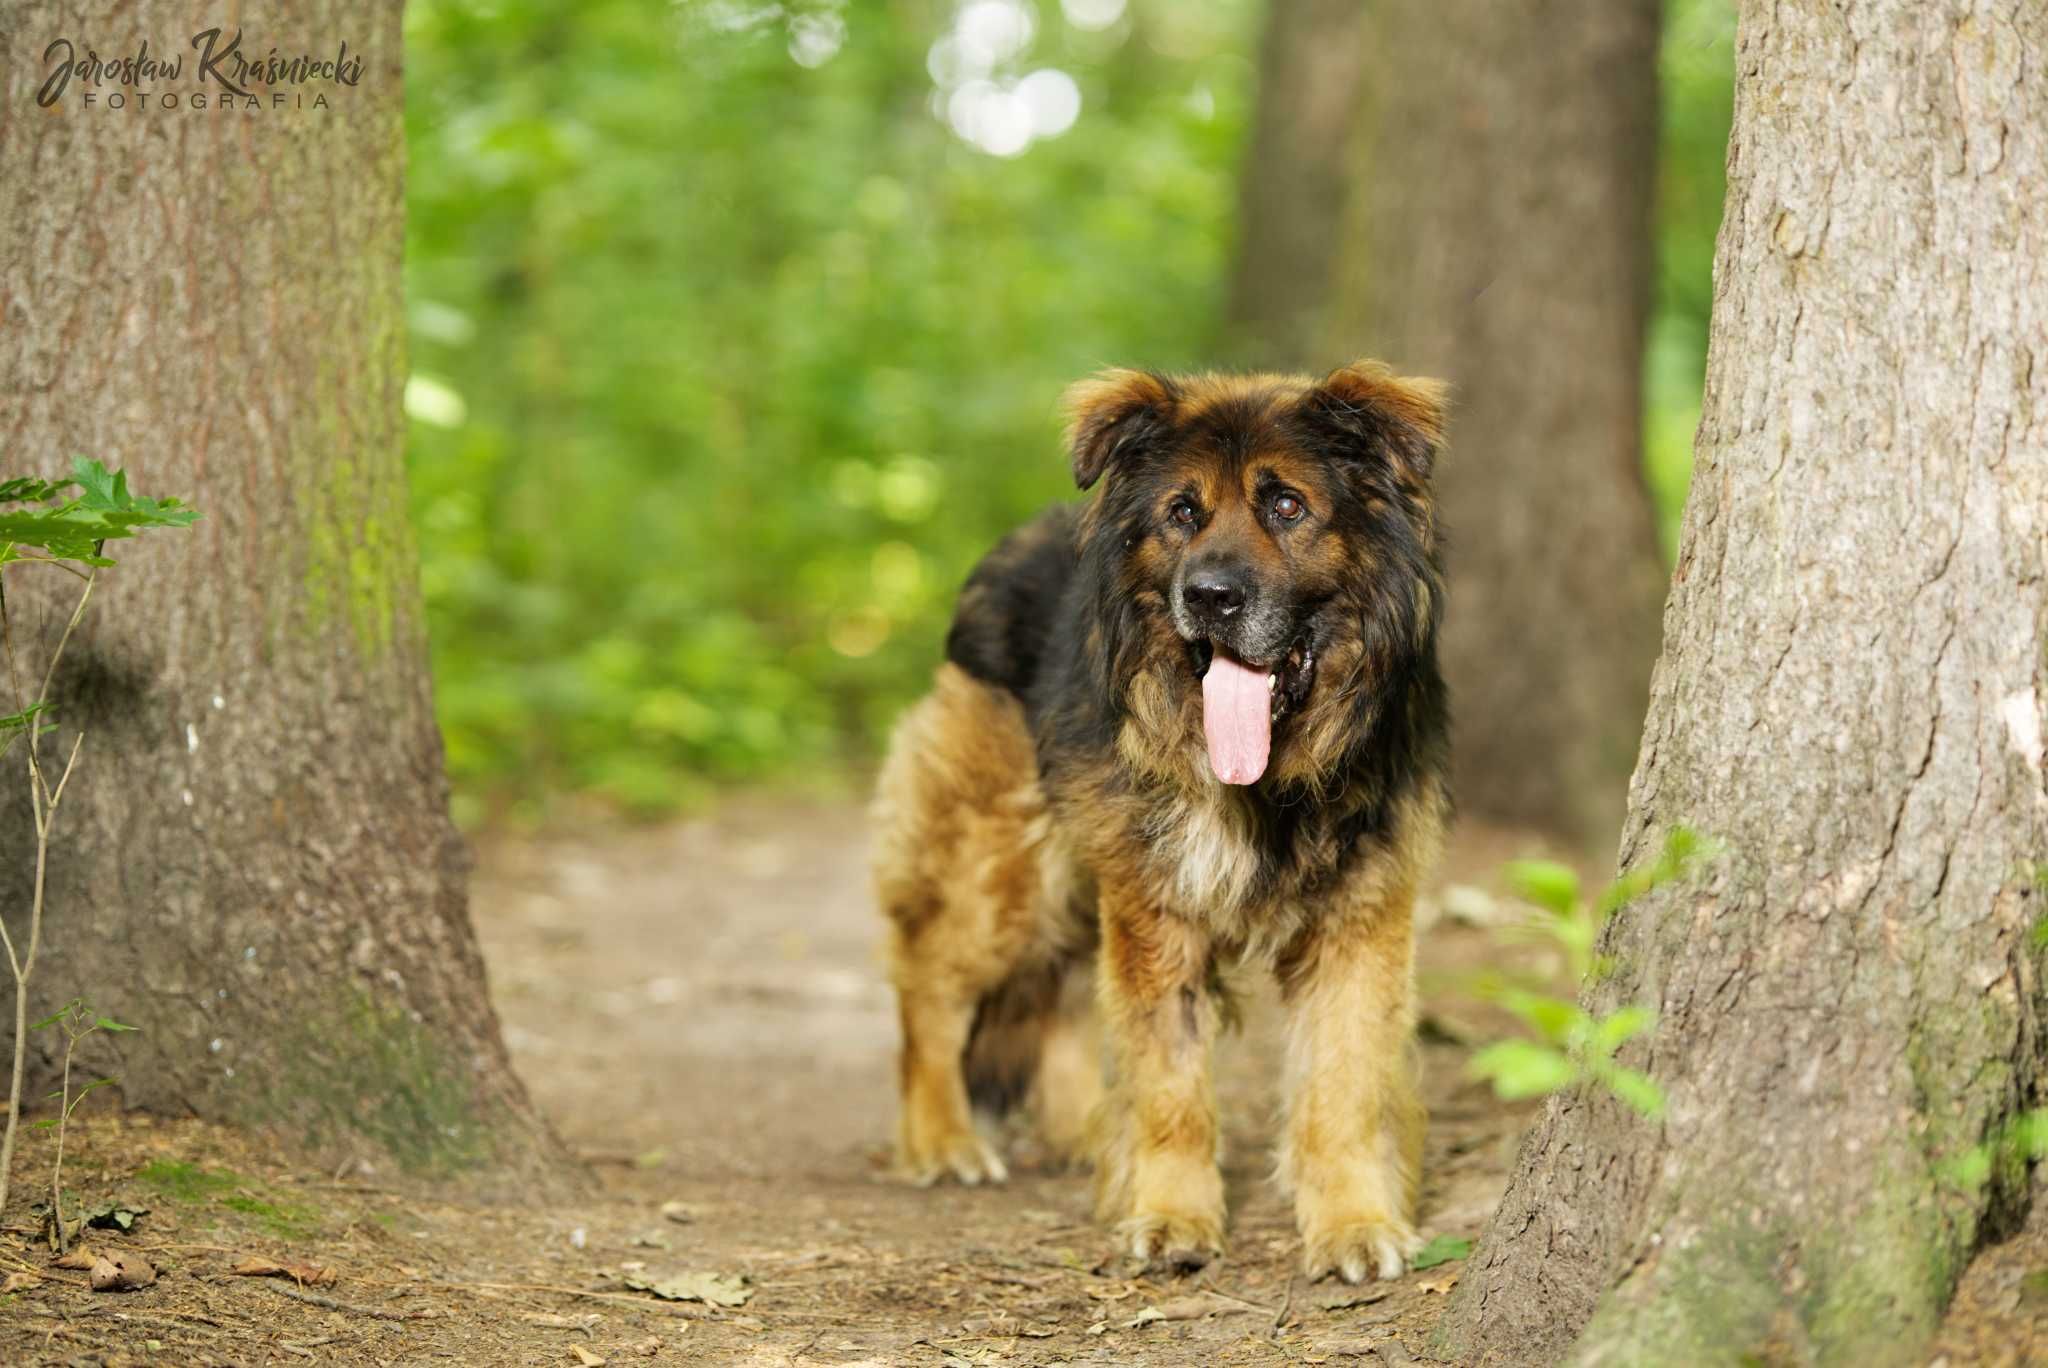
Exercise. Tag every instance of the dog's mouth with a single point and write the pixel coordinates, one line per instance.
(1243, 700)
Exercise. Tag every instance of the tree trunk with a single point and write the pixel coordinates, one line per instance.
(255, 862)
(1292, 189)
(1851, 700)
(1500, 238)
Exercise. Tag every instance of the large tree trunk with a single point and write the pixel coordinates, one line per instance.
(1293, 187)
(1501, 239)
(1851, 699)
(255, 862)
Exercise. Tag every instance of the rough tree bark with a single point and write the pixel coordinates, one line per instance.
(1294, 183)
(1500, 238)
(1851, 699)
(255, 862)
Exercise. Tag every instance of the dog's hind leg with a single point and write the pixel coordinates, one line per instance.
(960, 831)
(1068, 1088)
(936, 1136)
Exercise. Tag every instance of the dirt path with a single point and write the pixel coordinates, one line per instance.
(707, 1000)
(701, 1010)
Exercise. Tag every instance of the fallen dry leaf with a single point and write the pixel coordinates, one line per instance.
(713, 1289)
(305, 1275)
(121, 1273)
(18, 1282)
(677, 1212)
(585, 1357)
(81, 1257)
(1441, 1281)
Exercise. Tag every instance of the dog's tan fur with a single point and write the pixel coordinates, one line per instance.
(997, 874)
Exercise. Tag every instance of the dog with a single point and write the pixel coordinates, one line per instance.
(1192, 721)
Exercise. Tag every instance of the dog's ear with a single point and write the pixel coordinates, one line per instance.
(1110, 415)
(1397, 418)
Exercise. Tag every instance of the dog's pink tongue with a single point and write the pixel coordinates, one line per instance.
(1237, 714)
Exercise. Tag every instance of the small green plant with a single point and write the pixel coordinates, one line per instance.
(78, 1021)
(1568, 1044)
(41, 523)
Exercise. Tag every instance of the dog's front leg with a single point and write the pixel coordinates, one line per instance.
(1156, 1174)
(1353, 1150)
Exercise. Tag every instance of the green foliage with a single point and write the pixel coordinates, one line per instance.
(1568, 1045)
(77, 528)
(78, 1020)
(1442, 1249)
(1697, 71)
(727, 367)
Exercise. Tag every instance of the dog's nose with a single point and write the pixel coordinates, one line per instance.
(1213, 595)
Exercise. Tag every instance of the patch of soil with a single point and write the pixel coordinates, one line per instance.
(701, 1010)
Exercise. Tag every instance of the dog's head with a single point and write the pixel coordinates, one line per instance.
(1273, 538)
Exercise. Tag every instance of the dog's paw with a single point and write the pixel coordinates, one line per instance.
(1357, 1250)
(962, 1156)
(1173, 1241)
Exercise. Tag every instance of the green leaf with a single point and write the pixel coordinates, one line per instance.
(1523, 1068)
(1635, 1089)
(103, 510)
(1683, 848)
(107, 492)
(48, 1123)
(109, 1024)
(1552, 1017)
(101, 1083)
(1440, 1250)
(27, 489)
(20, 721)
(1551, 886)
(1619, 1026)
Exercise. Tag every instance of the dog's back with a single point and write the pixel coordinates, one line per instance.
(1009, 606)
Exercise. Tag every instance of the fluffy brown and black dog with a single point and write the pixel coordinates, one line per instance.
(1196, 719)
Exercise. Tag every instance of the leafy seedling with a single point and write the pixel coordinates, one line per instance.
(78, 1021)
(43, 523)
(1567, 1044)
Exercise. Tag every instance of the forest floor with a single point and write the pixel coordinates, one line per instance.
(700, 1010)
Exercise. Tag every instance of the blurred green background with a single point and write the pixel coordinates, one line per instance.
(738, 330)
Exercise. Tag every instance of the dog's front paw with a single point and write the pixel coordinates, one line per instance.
(1357, 1250)
(1174, 1241)
(961, 1155)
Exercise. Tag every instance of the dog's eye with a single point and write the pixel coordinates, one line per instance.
(1182, 513)
(1288, 508)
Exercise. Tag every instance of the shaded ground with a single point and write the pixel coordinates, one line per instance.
(701, 1011)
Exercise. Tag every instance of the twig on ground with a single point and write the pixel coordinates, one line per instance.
(645, 1303)
(334, 1304)
(1286, 1305)
(169, 1320)
(1241, 1301)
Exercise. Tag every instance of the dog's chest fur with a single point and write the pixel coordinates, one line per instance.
(1206, 849)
